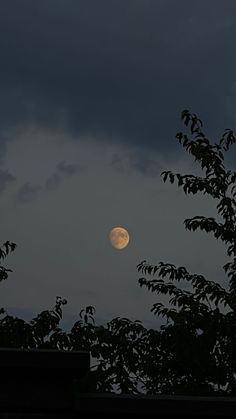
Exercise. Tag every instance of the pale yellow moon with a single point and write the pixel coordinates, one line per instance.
(119, 237)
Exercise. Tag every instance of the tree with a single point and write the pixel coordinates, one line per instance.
(6, 248)
(40, 331)
(197, 344)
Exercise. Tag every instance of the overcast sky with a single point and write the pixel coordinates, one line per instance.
(91, 93)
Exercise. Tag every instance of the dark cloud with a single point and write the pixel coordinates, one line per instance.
(3, 149)
(117, 70)
(145, 164)
(6, 178)
(53, 182)
(140, 161)
(63, 170)
(27, 193)
(67, 169)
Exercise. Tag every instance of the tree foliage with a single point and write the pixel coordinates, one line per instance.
(199, 332)
(193, 352)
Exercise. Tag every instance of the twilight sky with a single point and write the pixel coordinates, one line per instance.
(91, 95)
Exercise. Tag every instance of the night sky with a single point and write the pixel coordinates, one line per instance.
(91, 93)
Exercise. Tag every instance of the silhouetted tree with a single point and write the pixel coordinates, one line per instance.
(39, 332)
(196, 347)
(6, 248)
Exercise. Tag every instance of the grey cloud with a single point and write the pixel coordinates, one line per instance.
(116, 70)
(119, 162)
(5, 179)
(145, 164)
(27, 193)
(68, 169)
(63, 170)
(53, 181)
(140, 161)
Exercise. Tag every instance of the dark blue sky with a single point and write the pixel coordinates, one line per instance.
(91, 95)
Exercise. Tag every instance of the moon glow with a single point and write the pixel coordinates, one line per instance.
(119, 237)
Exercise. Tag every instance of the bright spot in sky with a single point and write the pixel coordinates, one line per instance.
(119, 237)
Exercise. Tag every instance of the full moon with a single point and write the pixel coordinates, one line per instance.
(119, 237)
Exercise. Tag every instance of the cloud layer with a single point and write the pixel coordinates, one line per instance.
(115, 70)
